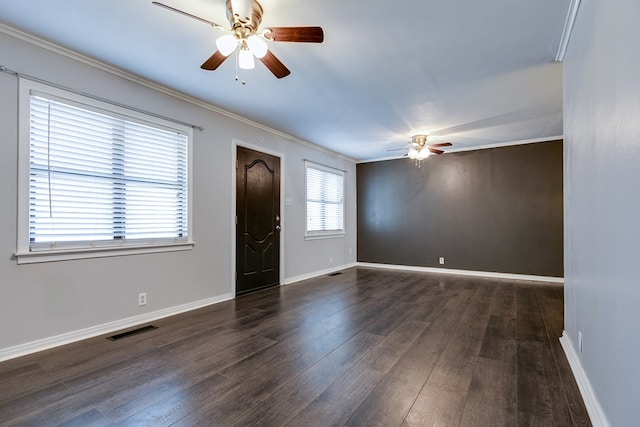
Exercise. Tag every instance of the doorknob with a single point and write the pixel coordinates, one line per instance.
(278, 228)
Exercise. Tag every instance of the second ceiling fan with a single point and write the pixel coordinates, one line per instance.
(420, 150)
(244, 37)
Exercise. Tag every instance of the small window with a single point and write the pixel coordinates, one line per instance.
(325, 200)
(98, 177)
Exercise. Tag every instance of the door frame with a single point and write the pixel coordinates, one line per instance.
(234, 157)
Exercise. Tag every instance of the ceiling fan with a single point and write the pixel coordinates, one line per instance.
(420, 150)
(244, 18)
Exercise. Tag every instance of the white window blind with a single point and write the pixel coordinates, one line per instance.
(325, 200)
(99, 178)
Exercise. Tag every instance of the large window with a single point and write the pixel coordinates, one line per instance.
(98, 177)
(325, 200)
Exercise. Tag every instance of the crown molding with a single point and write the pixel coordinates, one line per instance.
(568, 28)
(473, 148)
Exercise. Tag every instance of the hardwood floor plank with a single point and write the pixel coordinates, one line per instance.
(314, 340)
(492, 398)
(492, 395)
(499, 338)
(289, 400)
(536, 357)
(262, 374)
(453, 370)
(529, 324)
(576, 405)
(338, 402)
(552, 305)
(452, 374)
(179, 405)
(18, 411)
(539, 390)
(186, 373)
(91, 418)
(430, 306)
(150, 378)
(392, 398)
(15, 382)
(504, 301)
(437, 407)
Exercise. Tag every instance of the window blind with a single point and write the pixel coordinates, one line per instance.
(325, 200)
(99, 178)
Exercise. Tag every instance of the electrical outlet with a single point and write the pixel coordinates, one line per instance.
(441, 260)
(580, 342)
(350, 251)
(142, 298)
(330, 260)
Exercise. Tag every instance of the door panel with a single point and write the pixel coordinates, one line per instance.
(258, 220)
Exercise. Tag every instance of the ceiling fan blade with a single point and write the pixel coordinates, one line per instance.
(214, 61)
(295, 34)
(441, 144)
(435, 150)
(274, 65)
(173, 9)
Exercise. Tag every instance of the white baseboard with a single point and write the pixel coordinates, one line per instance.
(490, 274)
(302, 277)
(598, 418)
(69, 337)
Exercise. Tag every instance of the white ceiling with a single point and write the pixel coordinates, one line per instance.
(476, 73)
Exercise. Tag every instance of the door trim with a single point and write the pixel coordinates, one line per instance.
(283, 217)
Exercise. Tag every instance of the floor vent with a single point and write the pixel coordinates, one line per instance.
(335, 273)
(132, 332)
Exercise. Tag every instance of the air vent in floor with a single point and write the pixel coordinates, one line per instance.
(132, 332)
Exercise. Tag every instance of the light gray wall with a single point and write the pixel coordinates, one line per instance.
(602, 201)
(38, 301)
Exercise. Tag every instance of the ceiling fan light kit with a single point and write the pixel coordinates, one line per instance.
(420, 150)
(415, 154)
(245, 17)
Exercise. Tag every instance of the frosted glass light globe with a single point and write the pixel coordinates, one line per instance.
(257, 46)
(423, 154)
(245, 60)
(227, 44)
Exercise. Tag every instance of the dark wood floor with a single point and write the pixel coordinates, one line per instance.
(367, 347)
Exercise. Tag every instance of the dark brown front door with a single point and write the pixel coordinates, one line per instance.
(258, 220)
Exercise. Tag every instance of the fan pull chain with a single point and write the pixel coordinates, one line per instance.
(237, 68)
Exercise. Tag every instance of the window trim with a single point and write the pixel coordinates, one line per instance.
(323, 234)
(23, 254)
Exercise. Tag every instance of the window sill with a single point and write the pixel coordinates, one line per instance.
(84, 253)
(323, 236)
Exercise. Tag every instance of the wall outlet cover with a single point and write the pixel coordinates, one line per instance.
(580, 342)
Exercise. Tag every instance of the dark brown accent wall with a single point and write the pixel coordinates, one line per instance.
(494, 210)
